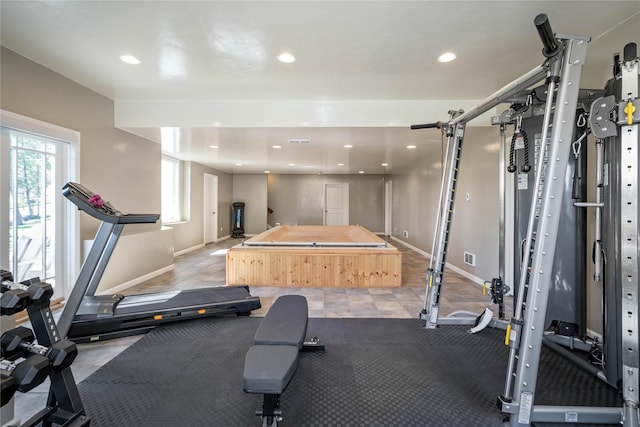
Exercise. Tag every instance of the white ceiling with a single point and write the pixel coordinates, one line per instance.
(365, 70)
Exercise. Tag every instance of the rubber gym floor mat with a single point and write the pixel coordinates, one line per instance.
(375, 372)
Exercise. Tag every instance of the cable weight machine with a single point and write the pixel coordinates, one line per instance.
(557, 55)
(621, 216)
(561, 71)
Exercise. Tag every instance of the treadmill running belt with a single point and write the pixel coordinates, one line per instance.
(181, 300)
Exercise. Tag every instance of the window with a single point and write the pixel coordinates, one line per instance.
(38, 228)
(171, 189)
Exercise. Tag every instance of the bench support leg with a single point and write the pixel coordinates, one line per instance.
(271, 412)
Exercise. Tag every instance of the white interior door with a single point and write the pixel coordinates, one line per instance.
(336, 204)
(210, 208)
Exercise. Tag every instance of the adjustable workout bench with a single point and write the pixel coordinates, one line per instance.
(270, 364)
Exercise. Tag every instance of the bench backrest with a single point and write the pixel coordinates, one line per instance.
(285, 322)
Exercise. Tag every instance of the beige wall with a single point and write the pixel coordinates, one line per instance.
(225, 198)
(475, 222)
(190, 232)
(252, 191)
(299, 199)
(123, 168)
(110, 160)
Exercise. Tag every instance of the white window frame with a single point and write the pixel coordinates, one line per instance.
(172, 193)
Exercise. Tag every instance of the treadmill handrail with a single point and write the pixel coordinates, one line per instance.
(80, 195)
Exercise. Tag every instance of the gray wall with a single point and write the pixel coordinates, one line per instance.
(299, 199)
(252, 190)
(416, 192)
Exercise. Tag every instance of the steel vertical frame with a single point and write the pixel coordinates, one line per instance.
(430, 271)
(547, 230)
(629, 239)
(502, 178)
(444, 227)
(447, 197)
(515, 326)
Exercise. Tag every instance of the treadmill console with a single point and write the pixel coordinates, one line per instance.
(93, 204)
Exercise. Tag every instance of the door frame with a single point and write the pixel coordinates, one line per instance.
(210, 198)
(388, 208)
(67, 226)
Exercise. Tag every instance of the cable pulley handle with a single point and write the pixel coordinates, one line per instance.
(512, 151)
(437, 125)
(525, 139)
(551, 45)
(526, 167)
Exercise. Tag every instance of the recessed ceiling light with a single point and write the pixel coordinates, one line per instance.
(360, 171)
(384, 164)
(213, 146)
(276, 146)
(238, 164)
(129, 59)
(447, 57)
(340, 164)
(267, 171)
(286, 58)
(292, 164)
(411, 147)
(348, 146)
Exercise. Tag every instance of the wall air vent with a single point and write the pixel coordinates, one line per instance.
(470, 258)
(299, 141)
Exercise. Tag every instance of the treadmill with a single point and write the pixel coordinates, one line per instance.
(88, 317)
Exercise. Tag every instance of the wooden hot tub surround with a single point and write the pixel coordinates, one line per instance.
(315, 256)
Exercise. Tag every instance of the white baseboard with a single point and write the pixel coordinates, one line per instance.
(192, 248)
(200, 246)
(474, 279)
(139, 280)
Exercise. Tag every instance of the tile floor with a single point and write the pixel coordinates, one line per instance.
(206, 267)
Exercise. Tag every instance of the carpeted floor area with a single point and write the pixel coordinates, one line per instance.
(384, 372)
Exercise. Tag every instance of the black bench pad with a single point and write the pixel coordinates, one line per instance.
(269, 368)
(285, 323)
